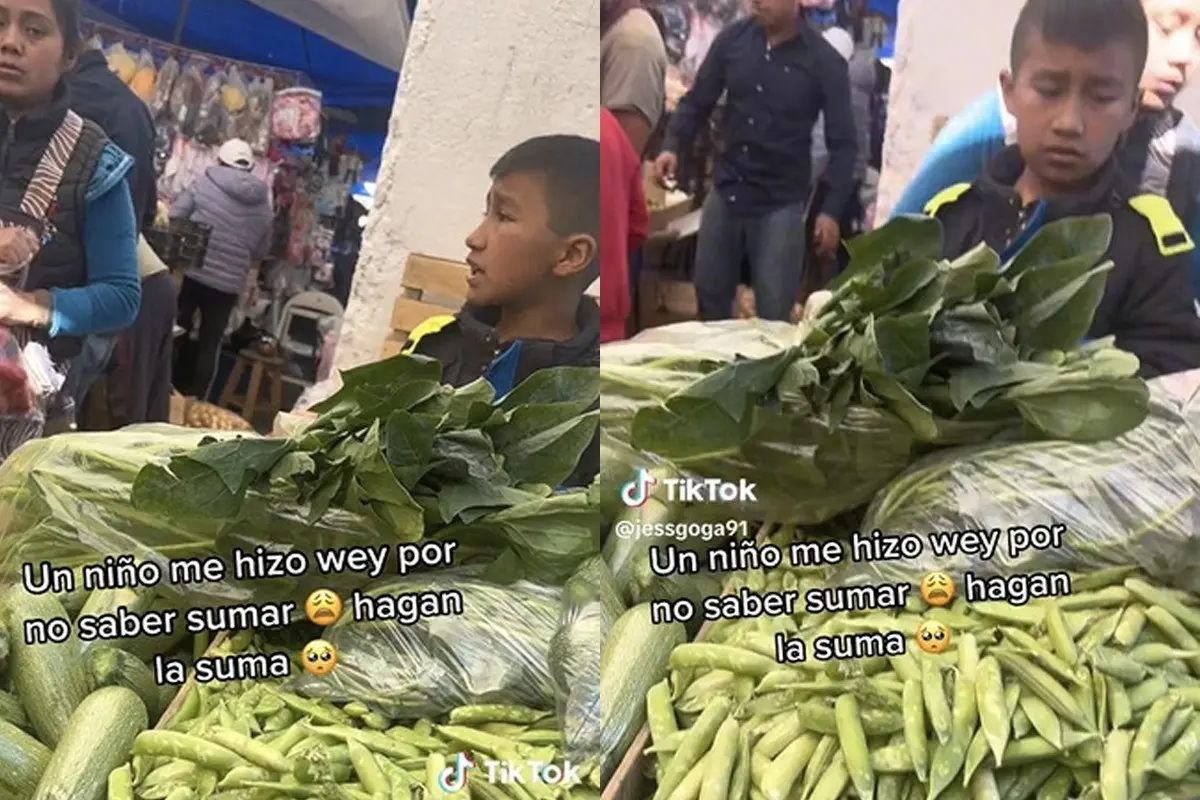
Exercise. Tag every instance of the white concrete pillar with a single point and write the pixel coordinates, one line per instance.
(478, 78)
(948, 52)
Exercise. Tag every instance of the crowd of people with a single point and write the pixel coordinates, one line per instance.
(1083, 122)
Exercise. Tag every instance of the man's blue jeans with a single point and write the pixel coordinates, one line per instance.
(774, 244)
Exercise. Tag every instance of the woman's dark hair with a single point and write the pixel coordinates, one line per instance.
(67, 15)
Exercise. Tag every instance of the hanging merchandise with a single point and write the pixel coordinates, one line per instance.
(254, 125)
(186, 98)
(296, 115)
(210, 124)
(163, 83)
(121, 63)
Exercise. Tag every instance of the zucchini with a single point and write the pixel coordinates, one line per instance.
(110, 666)
(11, 711)
(98, 739)
(49, 679)
(635, 656)
(23, 760)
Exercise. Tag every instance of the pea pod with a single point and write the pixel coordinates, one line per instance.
(1057, 786)
(1133, 622)
(982, 786)
(782, 732)
(739, 781)
(1176, 633)
(1189, 617)
(696, 743)
(993, 712)
(914, 728)
(1147, 692)
(722, 656)
(660, 716)
(1120, 711)
(822, 758)
(1118, 665)
(722, 757)
(853, 741)
(937, 707)
(120, 783)
(1182, 756)
(833, 782)
(821, 719)
(1043, 719)
(1029, 780)
(1060, 637)
(786, 768)
(1114, 769)
(1045, 687)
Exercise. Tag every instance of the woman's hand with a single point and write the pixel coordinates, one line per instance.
(21, 308)
(17, 248)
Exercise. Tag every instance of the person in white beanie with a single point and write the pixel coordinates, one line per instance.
(237, 206)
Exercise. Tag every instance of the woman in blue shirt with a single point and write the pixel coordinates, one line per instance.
(68, 245)
(1162, 148)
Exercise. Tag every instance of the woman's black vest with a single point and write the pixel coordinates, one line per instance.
(62, 262)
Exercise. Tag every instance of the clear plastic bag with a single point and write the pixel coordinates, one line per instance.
(66, 499)
(210, 124)
(143, 81)
(1131, 501)
(187, 94)
(164, 82)
(591, 606)
(495, 651)
(867, 447)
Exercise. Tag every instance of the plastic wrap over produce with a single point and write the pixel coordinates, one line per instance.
(1131, 501)
(66, 500)
(790, 457)
(495, 651)
(591, 606)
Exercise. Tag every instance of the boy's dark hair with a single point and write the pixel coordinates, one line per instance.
(67, 14)
(1086, 24)
(569, 167)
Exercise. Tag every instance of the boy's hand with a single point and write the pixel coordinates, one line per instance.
(827, 236)
(664, 169)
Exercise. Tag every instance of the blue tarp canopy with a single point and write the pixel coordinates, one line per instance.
(241, 30)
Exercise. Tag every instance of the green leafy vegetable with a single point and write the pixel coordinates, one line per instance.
(912, 353)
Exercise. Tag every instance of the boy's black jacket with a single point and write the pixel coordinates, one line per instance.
(1147, 303)
(467, 344)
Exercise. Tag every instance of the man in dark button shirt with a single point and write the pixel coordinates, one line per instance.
(779, 75)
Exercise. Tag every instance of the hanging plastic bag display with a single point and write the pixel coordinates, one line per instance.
(163, 83)
(210, 124)
(143, 81)
(296, 115)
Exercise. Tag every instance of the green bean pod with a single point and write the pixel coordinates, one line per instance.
(993, 712)
(853, 741)
(936, 705)
(695, 744)
(786, 768)
(915, 737)
(1114, 769)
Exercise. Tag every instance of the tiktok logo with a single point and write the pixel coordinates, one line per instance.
(454, 779)
(635, 493)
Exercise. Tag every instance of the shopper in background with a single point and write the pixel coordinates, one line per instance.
(1161, 150)
(861, 69)
(624, 223)
(633, 68)
(779, 75)
(237, 206)
(74, 217)
(138, 391)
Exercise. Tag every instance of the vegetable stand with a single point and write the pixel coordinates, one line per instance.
(393, 461)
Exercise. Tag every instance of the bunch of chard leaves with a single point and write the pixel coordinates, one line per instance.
(913, 352)
(416, 459)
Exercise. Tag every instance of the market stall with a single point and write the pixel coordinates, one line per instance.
(199, 102)
(1055, 671)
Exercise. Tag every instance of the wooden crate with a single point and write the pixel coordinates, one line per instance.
(629, 781)
(431, 287)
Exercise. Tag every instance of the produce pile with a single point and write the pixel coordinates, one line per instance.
(1089, 695)
(393, 458)
(911, 353)
(255, 739)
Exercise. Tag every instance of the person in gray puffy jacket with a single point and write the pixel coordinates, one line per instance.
(237, 206)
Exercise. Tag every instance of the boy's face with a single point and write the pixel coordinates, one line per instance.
(1174, 50)
(1071, 107)
(515, 258)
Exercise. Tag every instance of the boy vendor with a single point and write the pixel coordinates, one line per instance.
(531, 260)
(1073, 91)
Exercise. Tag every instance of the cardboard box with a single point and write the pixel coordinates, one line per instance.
(178, 412)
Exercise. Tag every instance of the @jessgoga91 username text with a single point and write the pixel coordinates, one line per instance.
(705, 531)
